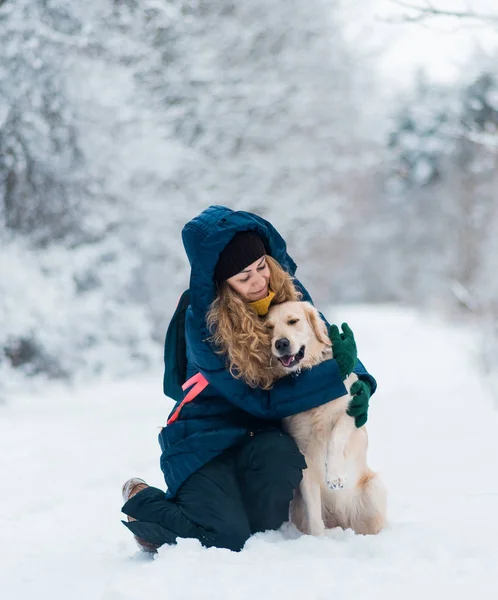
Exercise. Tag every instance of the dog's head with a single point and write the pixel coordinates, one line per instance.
(298, 336)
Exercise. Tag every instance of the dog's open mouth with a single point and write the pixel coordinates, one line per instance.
(291, 360)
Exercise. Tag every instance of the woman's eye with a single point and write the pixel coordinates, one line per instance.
(262, 268)
(293, 321)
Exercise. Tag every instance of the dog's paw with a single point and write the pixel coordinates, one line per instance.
(336, 482)
(317, 529)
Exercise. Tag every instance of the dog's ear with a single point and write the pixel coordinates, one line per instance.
(318, 326)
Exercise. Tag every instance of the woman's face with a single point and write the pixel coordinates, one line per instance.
(253, 282)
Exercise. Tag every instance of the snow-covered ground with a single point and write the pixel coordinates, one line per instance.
(64, 455)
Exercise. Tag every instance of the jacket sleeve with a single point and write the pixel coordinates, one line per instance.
(365, 376)
(288, 396)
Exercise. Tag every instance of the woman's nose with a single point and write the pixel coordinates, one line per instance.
(259, 281)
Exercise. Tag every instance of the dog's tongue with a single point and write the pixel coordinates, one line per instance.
(286, 360)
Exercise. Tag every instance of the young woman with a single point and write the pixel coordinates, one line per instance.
(229, 467)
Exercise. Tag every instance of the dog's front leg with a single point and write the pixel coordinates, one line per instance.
(335, 463)
(312, 497)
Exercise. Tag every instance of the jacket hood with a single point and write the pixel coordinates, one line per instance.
(205, 237)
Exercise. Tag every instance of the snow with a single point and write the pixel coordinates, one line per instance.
(65, 454)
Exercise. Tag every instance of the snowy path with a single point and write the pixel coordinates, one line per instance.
(64, 456)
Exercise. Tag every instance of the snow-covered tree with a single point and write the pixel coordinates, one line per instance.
(120, 120)
(42, 169)
(440, 188)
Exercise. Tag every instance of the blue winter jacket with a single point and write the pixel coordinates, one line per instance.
(228, 410)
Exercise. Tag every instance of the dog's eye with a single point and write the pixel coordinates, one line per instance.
(292, 321)
(269, 326)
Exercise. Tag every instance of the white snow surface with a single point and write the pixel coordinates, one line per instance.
(65, 454)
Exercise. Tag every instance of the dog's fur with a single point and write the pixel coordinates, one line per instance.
(338, 489)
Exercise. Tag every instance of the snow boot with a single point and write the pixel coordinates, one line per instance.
(129, 489)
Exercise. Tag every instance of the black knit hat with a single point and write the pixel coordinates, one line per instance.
(242, 250)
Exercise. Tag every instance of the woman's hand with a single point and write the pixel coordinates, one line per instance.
(358, 407)
(343, 349)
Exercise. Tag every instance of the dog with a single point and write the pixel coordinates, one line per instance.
(338, 489)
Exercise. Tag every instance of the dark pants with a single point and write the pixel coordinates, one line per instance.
(246, 489)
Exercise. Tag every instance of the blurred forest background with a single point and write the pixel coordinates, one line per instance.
(122, 119)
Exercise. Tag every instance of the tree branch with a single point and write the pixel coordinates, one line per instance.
(431, 11)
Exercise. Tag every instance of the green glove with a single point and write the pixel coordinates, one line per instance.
(343, 349)
(358, 407)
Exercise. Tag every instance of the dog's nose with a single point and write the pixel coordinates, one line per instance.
(282, 345)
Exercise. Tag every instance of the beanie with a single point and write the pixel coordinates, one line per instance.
(242, 250)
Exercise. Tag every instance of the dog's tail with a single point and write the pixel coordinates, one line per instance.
(368, 506)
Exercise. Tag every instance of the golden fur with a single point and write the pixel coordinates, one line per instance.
(338, 489)
(238, 333)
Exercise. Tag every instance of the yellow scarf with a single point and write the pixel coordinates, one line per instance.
(262, 306)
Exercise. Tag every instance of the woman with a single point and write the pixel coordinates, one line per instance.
(229, 467)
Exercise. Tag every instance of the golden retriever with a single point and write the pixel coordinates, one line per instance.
(338, 489)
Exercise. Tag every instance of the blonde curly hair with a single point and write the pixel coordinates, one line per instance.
(238, 333)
